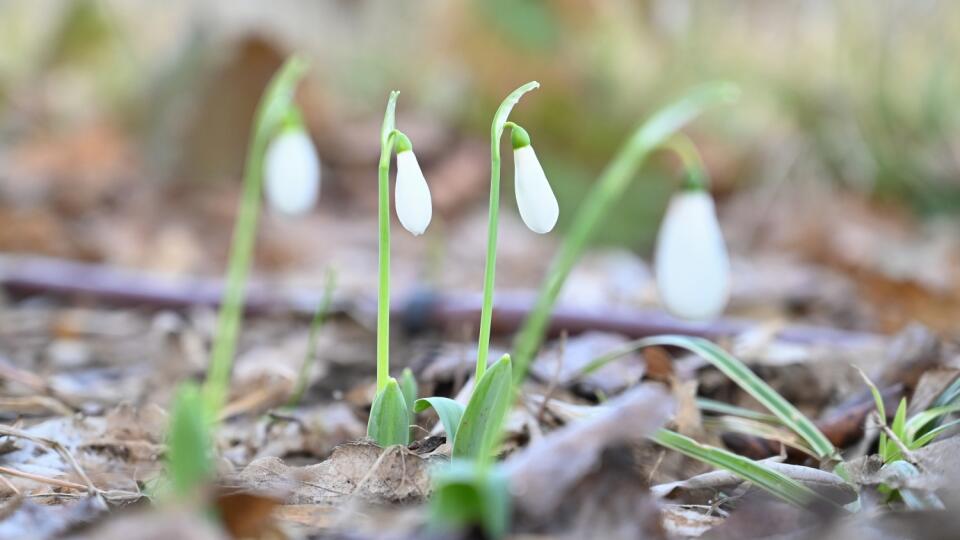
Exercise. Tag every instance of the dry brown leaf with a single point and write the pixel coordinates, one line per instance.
(543, 473)
(360, 471)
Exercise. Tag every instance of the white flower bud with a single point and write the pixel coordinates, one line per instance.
(535, 200)
(412, 196)
(292, 173)
(692, 267)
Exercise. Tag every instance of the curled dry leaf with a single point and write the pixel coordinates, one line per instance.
(564, 364)
(544, 472)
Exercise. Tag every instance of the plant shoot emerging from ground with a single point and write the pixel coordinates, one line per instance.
(389, 422)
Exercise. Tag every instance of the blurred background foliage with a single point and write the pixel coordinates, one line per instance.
(857, 93)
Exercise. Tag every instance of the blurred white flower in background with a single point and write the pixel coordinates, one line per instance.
(692, 266)
(292, 173)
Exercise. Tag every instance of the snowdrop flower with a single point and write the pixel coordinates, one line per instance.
(535, 200)
(292, 172)
(412, 196)
(692, 267)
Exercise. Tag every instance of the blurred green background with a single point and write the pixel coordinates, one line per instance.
(858, 93)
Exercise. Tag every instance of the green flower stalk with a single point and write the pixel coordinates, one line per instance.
(521, 140)
(414, 210)
(274, 108)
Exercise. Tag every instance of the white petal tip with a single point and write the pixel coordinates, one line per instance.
(291, 174)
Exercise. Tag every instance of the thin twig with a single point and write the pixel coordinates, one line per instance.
(58, 448)
(555, 380)
(43, 479)
(904, 451)
(10, 485)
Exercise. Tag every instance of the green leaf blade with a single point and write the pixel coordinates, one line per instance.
(484, 415)
(189, 461)
(755, 472)
(736, 370)
(389, 422)
(449, 411)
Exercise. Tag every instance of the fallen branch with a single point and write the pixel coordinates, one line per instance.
(26, 275)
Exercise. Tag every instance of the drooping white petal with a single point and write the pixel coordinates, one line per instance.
(692, 266)
(412, 196)
(292, 173)
(538, 206)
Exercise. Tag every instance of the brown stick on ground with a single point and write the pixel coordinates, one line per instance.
(25, 275)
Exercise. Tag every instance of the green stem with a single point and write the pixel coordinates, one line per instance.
(383, 291)
(489, 271)
(316, 324)
(694, 172)
(273, 107)
(608, 190)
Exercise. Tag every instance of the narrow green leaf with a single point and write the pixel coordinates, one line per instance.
(467, 493)
(189, 461)
(389, 422)
(900, 419)
(408, 385)
(755, 472)
(881, 411)
(923, 419)
(740, 374)
(483, 417)
(719, 407)
(929, 436)
(319, 318)
(449, 411)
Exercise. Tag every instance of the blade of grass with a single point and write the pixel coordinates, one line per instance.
(316, 324)
(746, 379)
(754, 472)
(922, 419)
(929, 436)
(719, 407)
(881, 411)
